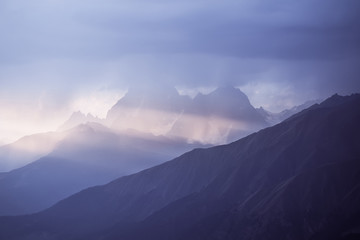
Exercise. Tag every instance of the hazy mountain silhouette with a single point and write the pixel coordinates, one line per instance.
(101, 154)
(148, 109)
(218, 117)
(297, 180)
(28, 149)
(226, 102)
(89, 155)
(274, 118)
(78, 118)
(162, 98)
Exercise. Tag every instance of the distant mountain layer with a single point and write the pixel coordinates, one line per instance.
(274, 118)
(78, 118)
(87, 155)
(218, 117)
(297, 180)
(221, 116)
(27, 150)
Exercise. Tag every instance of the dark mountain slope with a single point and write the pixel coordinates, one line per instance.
(260, 187)
(275, 196)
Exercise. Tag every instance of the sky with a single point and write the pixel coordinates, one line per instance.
(57, 57)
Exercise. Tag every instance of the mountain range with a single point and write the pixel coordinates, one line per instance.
(210, 119)
(143, 129)
(219, 117)
(299, 179)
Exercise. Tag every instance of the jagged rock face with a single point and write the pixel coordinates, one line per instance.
(297, 180)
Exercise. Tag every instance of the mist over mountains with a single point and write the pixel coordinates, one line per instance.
(78, 118)
(89, 155)
(142, 111)
(218, 117)
(172, 120)
(48, 167)
(143, 129)
(296, 180)
(27, 150)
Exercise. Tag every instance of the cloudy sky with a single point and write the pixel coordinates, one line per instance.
(61, 56)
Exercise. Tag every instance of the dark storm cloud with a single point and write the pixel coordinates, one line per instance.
(282, 29)
(191, 43)
(287, 30)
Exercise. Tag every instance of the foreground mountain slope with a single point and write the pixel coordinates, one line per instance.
(308, 188)
(284, 182)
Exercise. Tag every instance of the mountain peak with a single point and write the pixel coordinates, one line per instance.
(226, 101)
(77, 114)
(228, 87)
(78, 118)
(337, 99)
(159, 97)
(231, 92)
